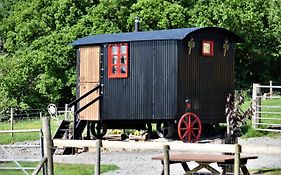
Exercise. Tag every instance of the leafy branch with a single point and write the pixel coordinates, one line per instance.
(235, 116)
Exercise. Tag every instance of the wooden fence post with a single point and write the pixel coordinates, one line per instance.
(98, 156)
(48, 145)
(271, 90)
(256, 102)
(166, 160)
(65, 111)
(12, 121)
(237, 159)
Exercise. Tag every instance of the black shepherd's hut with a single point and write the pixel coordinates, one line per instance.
(146, 77)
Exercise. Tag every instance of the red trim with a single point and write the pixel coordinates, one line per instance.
(211, 47)
(118, 64)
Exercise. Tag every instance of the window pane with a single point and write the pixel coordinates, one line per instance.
(114, 59)
(114, 50)
(123, 49)
(123, 59)
(123, 69)
(207, 48)
(114, 69)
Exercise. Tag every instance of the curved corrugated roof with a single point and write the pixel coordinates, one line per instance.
(169, 34)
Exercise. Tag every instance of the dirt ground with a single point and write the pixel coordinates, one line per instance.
(138, 162)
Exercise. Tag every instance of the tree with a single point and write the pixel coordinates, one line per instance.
(253, 20)
(39, 68)
(38, 64)
(158, 14)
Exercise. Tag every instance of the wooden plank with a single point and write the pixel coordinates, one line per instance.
(206, 158)
(19, 131)
(254, 149)
(175, 146)
(178, 146)
(93, 111)
(90, 64)
(89, 78)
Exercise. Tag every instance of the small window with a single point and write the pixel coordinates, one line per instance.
(118, 61)
(207, 48)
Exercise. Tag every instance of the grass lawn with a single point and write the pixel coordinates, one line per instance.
(249, 131)
(61, 169)
(271, 102)
(23, 124)
(267, 171)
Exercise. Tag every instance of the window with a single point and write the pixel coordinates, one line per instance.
(118, 60)
(207, 48)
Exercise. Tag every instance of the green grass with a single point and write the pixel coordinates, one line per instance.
(23, 124)
(267, 171)
(247, 129)
(60, 169)
(271, 102)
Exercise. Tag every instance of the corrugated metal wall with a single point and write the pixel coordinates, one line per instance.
(150, 91)
(204, 80)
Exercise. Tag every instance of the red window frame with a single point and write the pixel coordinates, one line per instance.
(211, 43)
(117, 66)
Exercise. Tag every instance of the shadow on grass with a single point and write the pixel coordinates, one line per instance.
(268, 171)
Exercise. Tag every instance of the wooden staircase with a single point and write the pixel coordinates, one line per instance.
(65, 132)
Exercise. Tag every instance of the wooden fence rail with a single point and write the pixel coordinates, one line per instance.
(177, 146)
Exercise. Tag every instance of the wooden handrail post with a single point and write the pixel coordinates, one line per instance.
(98, 156)
(48, 145)
(237, 159)
(166, 160)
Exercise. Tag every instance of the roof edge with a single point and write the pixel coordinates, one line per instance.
(236, 38)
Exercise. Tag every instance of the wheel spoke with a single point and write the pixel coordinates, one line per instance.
(192, 124)
(189, 121)
(185, 134)
(186, 124)
(193, 134)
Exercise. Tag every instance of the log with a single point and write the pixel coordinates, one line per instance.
(143, 137)
(116, 137)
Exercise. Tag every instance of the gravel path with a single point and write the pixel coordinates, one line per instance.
(136, 162)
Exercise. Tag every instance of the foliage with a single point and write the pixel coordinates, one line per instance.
(38, 64)
(158, 14)
(256, 21)
(248, 131)
(235, 115)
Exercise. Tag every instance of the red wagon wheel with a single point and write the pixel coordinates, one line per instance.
(189, 127)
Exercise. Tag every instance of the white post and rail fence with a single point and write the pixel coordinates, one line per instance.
(267, 105)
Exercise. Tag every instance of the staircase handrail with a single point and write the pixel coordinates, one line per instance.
(84, 96)
(87, 105)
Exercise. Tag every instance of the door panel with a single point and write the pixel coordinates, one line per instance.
(90, 64)
(89, 78)
(93, 111)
